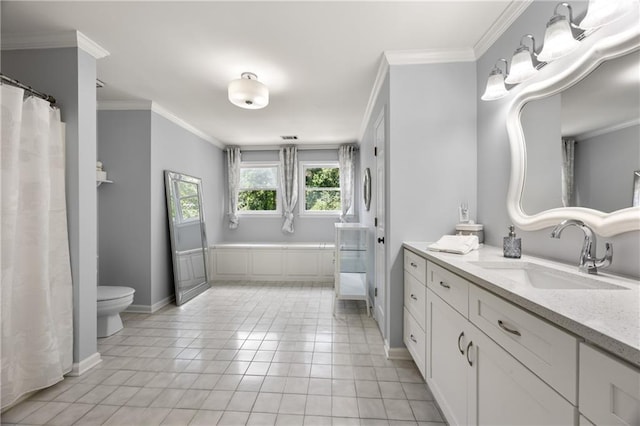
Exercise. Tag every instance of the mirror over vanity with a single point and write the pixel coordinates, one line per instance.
(586, 155)
(188, 237)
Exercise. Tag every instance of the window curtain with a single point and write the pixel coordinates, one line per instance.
(568, 170)
(347, 161)
(36, 294)
(288, 185)
(233, 170)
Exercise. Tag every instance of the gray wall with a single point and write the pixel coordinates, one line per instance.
(494, 160)
(268, 229)
(604, 167)
(430, 163)
(136, 147)
(124, 233)
(69, 75)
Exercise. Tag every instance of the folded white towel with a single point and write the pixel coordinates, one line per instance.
(459, 244)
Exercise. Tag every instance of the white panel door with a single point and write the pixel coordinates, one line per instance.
(381, 269)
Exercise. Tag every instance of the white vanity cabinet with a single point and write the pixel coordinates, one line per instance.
(609, 389)
(473, 378)
(415, 292)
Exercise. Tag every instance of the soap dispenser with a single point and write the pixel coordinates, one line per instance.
(512, 245)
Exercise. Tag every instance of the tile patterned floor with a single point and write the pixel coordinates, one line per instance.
(241, 354)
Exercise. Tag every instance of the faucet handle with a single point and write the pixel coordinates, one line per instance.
(608, 257)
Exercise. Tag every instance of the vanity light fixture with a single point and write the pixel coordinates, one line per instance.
(522, 67)
(603, 12)
(247, 92)
(495, 83)
(558, 38)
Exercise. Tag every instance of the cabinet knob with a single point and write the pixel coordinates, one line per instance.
(414, 265)
(414, 297)
(413, 339)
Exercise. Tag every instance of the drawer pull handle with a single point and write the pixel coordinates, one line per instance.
(414, 265)
(460, 338)
(445, 285)
(413, 339)
(507, 329)
(414, 297)
(468, 359)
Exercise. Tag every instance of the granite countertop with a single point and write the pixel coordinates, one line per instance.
(609, 319)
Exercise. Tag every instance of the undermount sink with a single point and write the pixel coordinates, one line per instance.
(546, 278)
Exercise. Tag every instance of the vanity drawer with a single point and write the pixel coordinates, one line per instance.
(552, 354)
(415, 265)
(609, 389)
(415, 341)
(415, 298)
(451, 288)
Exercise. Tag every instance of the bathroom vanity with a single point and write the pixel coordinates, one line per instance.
(507, 341)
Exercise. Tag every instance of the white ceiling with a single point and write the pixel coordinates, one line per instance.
(319, 59)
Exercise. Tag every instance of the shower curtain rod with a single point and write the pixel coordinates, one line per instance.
(34, 92)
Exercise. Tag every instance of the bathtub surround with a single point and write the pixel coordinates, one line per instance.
(69, 74)
(137, 145)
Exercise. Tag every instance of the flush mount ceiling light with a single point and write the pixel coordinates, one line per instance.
(247, 92)
(558, 38)
(603, 12)
(495, 83)
(522, 67)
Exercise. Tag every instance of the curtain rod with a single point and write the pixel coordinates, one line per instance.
(29, 89)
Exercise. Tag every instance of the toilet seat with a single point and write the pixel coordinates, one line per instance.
(113, 292)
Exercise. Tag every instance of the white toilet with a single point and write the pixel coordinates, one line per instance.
(111, 301)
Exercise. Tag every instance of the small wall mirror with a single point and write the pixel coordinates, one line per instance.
(575, 138)
(188, 237)
(366, 188)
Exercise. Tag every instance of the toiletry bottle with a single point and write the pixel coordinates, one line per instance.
(512, 245)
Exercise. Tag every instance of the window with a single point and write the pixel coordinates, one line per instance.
(258, 188)
(320, 188)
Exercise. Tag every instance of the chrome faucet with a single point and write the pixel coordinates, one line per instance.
(588, 261)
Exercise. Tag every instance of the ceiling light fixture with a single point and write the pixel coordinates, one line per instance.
(603, 12)
(522, 68)
(495, 84)
(558, 38)
(247, 92)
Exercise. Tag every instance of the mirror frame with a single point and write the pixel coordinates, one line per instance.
(603, 44)
(185, 296)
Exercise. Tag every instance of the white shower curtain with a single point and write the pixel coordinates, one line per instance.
(36, 295)
(347, 162)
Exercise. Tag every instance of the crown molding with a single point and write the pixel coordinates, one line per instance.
(137, 105)
(500, 25)
(429, 56)
(608, 129)
(53, 41)
(383, 69)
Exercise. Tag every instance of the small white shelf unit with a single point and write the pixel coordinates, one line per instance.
(351, 263)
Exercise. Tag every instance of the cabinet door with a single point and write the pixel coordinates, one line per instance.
(504, 392)
(447, 368)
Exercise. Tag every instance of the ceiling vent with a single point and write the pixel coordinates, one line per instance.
(289, 138)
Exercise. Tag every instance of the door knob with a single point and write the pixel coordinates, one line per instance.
(381, 240)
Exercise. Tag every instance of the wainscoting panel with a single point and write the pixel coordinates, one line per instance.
(272, 262)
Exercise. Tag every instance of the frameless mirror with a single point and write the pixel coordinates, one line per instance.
(574, 134)
(188, 237)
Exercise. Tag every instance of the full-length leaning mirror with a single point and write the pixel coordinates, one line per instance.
(580, 163)
(188, 236)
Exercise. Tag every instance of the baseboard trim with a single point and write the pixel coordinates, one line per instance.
(79, 368)
(397, 353)
(146, 309)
